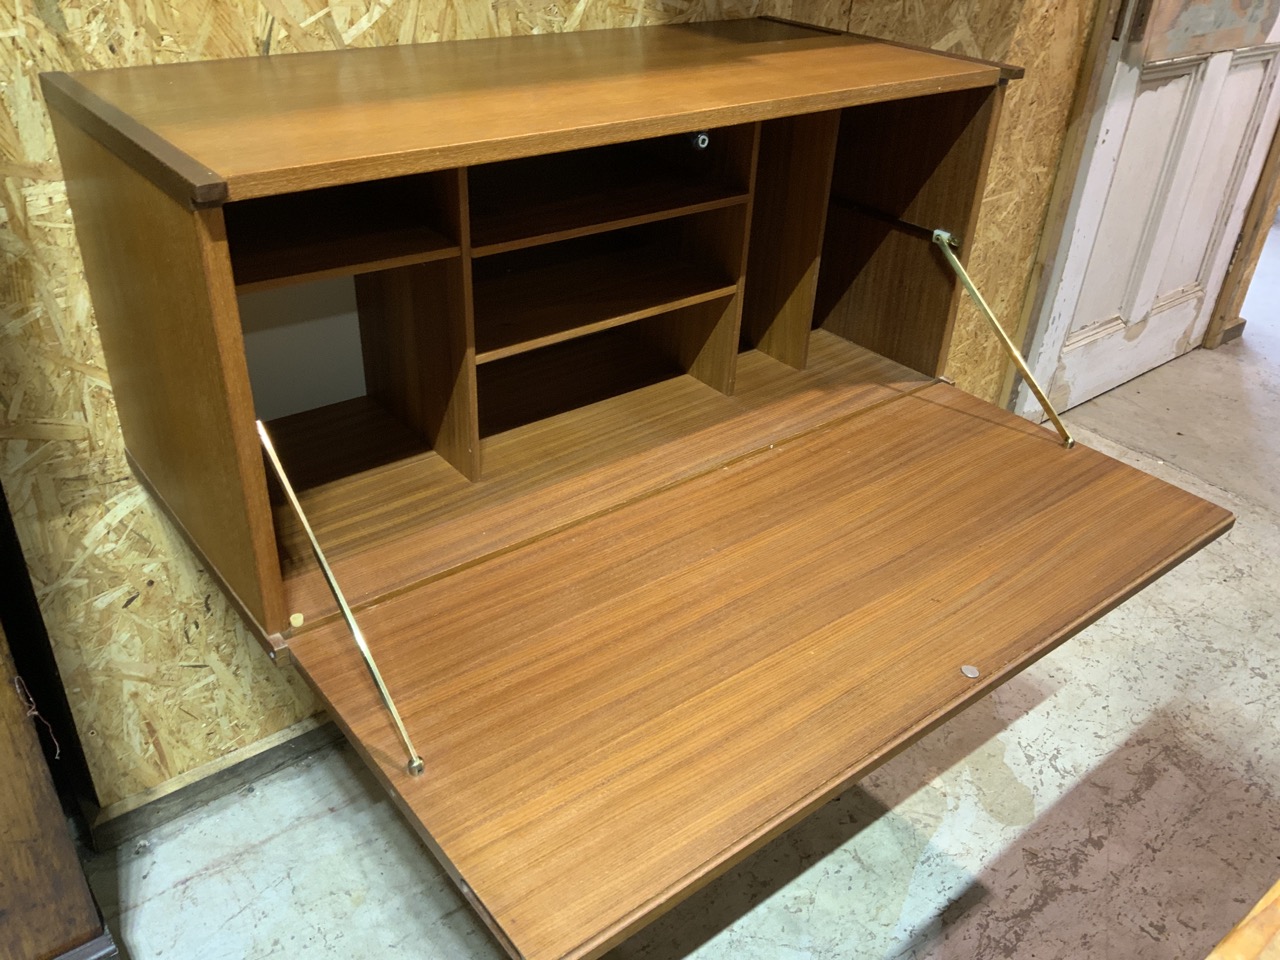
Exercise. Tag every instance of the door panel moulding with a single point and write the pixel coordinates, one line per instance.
(1085, 181)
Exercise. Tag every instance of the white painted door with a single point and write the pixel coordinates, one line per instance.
(1176, 152)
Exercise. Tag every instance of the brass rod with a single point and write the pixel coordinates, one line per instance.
(415, 765)
(945, 242)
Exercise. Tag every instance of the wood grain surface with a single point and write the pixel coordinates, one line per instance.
(419, 354)
(1257, 936)
(164, 297)
(788, 222)
(886, 286)
(279, 124)
(521, 310)
(388, 524)
(45, 905)
(614, 713)
(342, 230)
(543, 199)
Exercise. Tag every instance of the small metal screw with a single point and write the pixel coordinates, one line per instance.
(970, 671)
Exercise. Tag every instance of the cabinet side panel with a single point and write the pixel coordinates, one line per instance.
(164, 299)
(793, 183)
(903, 169)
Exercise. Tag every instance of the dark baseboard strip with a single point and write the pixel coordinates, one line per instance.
(111, 827)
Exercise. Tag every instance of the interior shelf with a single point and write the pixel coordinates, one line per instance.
(415, 517)
(335, 231)
(522, 203)
(539, 304)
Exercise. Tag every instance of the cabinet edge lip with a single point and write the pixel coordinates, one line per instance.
(178, 174)
(1008, 71)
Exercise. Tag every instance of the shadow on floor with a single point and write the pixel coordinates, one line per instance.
(1167, 817)
(823, 836)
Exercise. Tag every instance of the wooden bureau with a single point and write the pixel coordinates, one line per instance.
(655, 512)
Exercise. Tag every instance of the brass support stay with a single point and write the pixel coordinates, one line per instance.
(415, 765)
(945, 243)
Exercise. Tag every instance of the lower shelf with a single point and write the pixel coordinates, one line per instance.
(619, 710)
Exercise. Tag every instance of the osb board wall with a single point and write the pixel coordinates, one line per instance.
(161, 675)
(1047, 37)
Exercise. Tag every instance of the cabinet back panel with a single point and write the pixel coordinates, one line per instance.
(542, 383)
(518, 201)
(302, 344)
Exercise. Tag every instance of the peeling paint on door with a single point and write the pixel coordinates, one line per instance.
(1184, 28)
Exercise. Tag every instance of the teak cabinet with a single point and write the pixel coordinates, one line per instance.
(654, 510)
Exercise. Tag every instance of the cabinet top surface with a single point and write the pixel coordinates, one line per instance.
(232, 129)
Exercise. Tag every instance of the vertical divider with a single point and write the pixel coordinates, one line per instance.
(418, 337)
(797, 155)
(704, 337)
(468, 410)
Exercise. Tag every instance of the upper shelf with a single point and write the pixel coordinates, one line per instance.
(549, 303)
(222, 130)
(335, 231)
(523, 203)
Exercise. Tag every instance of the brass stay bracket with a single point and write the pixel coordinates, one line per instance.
(946, 243)
(415, 765)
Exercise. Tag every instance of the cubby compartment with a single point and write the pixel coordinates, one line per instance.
(535, 297)
(527, 387)
(883, 283)
(353, 374)
(335, 231)
(534, 200)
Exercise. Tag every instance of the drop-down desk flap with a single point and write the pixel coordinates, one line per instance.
(613, 714)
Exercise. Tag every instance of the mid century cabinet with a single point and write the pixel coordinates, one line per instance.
(654, 510)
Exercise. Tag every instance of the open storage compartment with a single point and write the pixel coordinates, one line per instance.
(335, 231)
(535, 297)
(534, 200)
(646, 495)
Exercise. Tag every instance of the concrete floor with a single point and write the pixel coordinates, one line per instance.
(1116, 800)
